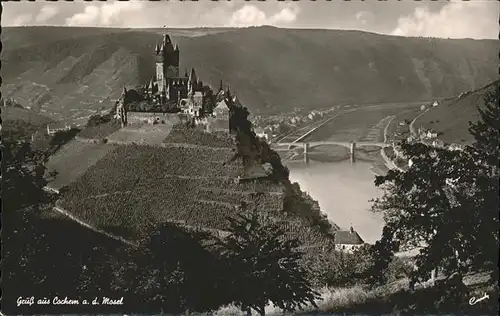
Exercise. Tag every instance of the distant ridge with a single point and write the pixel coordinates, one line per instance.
(271, 69)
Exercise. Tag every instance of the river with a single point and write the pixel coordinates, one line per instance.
(343, 191)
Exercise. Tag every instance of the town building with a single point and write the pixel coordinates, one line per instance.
(263, 133)
(438, 143)
(456, 147)
(53, 128)
(347, 240)
(427, 134)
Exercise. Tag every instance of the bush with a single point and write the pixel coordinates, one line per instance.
(339, 269)
(398, 268)
(97, 119)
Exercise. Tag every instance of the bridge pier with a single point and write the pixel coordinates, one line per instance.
(306, 151)
(353, 149)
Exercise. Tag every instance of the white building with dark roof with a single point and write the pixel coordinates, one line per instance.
(57, 127)
(263, 133)
(347, 240)
(221, 110)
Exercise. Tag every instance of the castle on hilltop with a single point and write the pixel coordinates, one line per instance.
(168, 92)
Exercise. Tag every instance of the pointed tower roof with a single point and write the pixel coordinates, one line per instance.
(220, 95)
(222, 105)
(236, 100)
(166, 39)
(176, 48)
(192, 76)
(167, 44)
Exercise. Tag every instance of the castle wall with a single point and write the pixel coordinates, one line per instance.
(143, 117)
(217, 125)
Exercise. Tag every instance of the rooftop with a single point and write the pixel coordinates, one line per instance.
(348, 237)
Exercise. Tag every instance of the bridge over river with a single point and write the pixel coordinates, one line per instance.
(351, 145)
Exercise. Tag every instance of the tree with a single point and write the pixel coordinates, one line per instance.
(446, 203)
(34, 256)
(485, 153)
(485, 131)
(23, 171)
(331, 267)
(170, 272)
(264, 266)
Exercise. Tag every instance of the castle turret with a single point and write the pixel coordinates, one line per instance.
(150, 88)
(168, 90)
(236, 101)
(192, 82)
(221, 93)
(192, 76)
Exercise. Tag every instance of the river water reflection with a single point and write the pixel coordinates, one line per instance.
(343, 191)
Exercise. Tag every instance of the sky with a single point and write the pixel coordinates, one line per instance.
(476, 19)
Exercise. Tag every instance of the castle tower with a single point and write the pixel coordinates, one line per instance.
(160, 71)
(170, 57)
(167, 62)
(192, 82)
